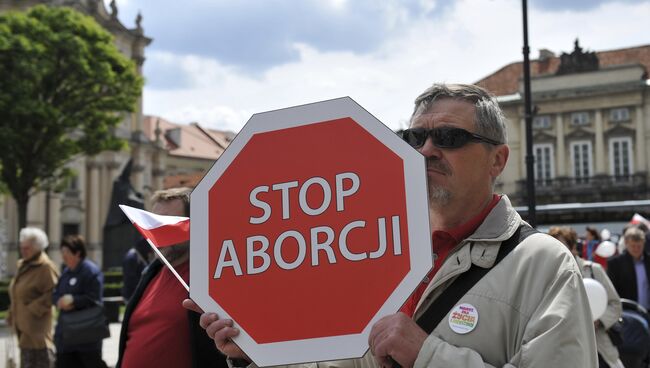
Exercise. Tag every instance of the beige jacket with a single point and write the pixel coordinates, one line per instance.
(30, 292)
(613, 312)
(532, 307)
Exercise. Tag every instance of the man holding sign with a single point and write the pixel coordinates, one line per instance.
(520, 299)
(155, 331)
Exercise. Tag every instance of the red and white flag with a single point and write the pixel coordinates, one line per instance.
(161, 231)
(638, 219)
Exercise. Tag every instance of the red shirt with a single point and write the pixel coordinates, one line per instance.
(159, 332)
(442, 242)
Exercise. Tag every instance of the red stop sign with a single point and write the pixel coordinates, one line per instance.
(311, 226)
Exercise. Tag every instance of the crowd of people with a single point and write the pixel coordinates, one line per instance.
(534, 308)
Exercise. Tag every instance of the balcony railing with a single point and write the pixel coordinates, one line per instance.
(588, 189)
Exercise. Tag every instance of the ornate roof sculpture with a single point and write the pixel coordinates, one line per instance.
(505, 81)
(577, 61)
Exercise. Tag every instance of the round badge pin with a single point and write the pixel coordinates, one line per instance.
(73, 281)
(463, 318)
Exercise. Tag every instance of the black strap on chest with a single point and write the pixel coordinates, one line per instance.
(450, 296)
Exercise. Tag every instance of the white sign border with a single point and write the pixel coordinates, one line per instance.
(328, 348)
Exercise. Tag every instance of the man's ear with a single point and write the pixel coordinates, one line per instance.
(499, 159)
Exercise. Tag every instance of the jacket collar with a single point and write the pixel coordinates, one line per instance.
(480, 248)
(38, 260)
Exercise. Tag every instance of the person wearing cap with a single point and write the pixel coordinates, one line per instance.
(531, 307)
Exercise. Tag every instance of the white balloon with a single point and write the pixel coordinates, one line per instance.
(606, 249)
(605, 234)
(597, 297)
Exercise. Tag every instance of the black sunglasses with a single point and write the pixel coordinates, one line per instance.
(443, 137)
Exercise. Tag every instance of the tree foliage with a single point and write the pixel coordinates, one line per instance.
(63, 88)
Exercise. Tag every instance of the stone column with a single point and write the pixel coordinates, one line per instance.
(158, 172)
(55, 220)
(92, 210)
(560, 146)
(103, 193)
(640, 147)
(599, 154)
(522, 148)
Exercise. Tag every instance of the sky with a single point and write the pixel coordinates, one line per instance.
(217, 62)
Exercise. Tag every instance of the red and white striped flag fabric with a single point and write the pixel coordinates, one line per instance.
(638, 219)
(162, 231)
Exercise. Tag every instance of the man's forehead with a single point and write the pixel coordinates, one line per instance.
(174, 206)
(445, 110)
(437, 118)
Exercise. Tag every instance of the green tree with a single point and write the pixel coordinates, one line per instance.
(63, 88)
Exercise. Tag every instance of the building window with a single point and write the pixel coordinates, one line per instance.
(580, 118)
(619, 114)
(544, 164)
(74, 183)
(581, 160)
(620, 158)
(542, 122)
(70, 229)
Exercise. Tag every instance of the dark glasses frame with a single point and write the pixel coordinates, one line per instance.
(444, 137)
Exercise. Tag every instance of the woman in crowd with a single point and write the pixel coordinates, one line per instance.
(30, 291)
(591, 243)
(607, 352)
(80, 287)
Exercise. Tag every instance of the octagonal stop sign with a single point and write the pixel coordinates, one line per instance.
(311, 226)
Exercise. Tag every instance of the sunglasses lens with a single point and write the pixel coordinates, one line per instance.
(450, 137)
(441, 137)
(415, 137)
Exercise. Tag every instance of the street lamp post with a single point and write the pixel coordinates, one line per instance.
(530, 159)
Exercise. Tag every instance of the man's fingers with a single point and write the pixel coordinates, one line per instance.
(191, 305)
(206, 319)
(221, 330)
(377, 330)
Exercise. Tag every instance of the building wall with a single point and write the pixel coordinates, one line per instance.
(596, 94)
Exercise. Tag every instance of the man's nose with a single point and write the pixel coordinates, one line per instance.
(429, 149)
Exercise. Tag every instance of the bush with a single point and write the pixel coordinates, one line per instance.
(111, 277)
(113, 289)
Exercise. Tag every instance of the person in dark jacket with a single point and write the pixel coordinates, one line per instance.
(630, 271)
(156, 330)
(81, 286)
(133, 264)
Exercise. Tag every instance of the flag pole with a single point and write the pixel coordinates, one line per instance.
(171, 268)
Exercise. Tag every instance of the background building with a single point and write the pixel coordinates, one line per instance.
(157, 149)
(591, 132)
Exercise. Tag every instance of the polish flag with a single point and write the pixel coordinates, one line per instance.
(638, 219)
(161, 231)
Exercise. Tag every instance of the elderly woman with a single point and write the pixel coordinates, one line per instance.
(607, 352)
(30, 291)
(80, 287)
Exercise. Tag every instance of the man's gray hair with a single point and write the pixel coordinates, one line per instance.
(36, 236)
(166, 195)
(634, 234)
(490, 121)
